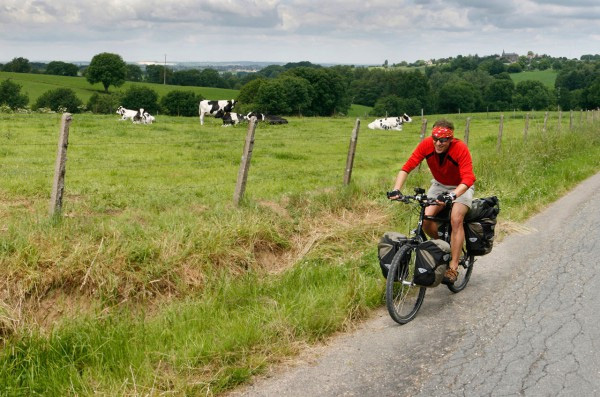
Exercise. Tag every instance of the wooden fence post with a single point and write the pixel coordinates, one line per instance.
(423, 128)
(545, 122)
(499, 144)
(240, 186)
(560, 120)
(60, 167)
(351, 152)
(526, 129)
(467, 131)
(570, 120)
(422, 136)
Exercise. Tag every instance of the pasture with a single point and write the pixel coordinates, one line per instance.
(153, 282)
(35, 85)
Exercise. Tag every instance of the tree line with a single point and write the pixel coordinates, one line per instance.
(453, 85)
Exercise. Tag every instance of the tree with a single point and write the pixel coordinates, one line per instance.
(248, 94)
(156, 74)
(393, 105)
(181, 103)
(108, 69)
(137, 97)
(134, 73)
(10, 95)
(59, 68)
(17, 65)
(532, 94)
(458, 97)
(284, 95)
(57, 99)
(498, 95)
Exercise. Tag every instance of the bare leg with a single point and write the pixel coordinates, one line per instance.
(458, 233)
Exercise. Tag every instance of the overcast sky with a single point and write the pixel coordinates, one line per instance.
(320, 31)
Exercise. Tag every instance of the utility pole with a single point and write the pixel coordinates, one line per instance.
(165, 71)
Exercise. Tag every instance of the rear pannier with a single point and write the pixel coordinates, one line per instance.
(389, 244)
(480, 225)
(432, 258)
(479, 236)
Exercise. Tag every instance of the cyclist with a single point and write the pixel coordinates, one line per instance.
(450, 163)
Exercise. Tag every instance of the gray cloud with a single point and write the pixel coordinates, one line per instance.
(349, 31)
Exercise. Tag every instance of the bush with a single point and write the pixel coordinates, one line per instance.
(181, 103)
(10, 95)
(58, 100)
(137, 97)
(104, 103)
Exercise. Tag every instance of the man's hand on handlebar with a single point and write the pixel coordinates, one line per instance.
(447, 198)
(395, 195)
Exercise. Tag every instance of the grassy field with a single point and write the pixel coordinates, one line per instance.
(548, 77)
(35, 85)
(153, 282)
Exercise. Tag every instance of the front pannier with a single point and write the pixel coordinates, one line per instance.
(432, 258)
(479, 236)
(389, 244)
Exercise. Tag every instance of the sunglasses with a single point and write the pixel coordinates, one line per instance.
(442, 140)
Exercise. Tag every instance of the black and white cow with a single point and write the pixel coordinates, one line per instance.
(271, 119)
(134, 115)
(215, 108)
(231, 118)
(147, 118)
(390, 123)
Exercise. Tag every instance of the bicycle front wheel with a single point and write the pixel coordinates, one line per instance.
(402, 297)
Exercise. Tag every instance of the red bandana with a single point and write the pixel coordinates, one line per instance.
(442, 132)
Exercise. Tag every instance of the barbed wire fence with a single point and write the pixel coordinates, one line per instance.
(26, 168)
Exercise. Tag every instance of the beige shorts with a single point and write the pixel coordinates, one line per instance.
(437, 188)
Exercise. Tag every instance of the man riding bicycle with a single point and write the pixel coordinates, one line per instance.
(450, 163)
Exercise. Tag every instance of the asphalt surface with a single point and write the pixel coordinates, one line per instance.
(528, 324)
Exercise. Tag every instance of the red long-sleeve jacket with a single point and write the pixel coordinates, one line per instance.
(450, 168)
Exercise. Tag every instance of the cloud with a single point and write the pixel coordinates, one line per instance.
(291, 30)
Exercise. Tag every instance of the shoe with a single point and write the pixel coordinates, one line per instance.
(450, 276)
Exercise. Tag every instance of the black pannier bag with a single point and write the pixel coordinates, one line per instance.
(389, 244)
(432, 258)
(480, 225)
(479, 236)
(483, 208)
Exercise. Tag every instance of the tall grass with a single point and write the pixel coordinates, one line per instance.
(153, 282)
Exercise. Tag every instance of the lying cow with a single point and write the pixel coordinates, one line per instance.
(390, 123)
(267, 117)
(147, 118)
(231, 118)
(215, 108)
(129, 114)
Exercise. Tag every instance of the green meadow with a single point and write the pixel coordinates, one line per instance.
(152, 281)
(548, 77)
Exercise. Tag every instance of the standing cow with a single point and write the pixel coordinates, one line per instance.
(390, 123)
(215, 108)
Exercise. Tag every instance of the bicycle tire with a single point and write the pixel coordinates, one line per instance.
(402, 299)
(465, 267)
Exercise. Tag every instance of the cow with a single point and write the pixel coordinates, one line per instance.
(134, 115)
(215, 108)
(231, 118)
(147, 118)
(390, 123)
(271, 119)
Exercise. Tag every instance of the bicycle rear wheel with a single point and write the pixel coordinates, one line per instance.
(402, 297)
(465, 267)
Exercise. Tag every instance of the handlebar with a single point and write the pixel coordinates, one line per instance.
(419, 197)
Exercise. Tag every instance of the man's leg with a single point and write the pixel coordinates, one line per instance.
(457, 238)
(430, 227)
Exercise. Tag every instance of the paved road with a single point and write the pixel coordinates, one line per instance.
(527, 324)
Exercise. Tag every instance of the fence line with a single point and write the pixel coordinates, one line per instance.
(354, 153)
